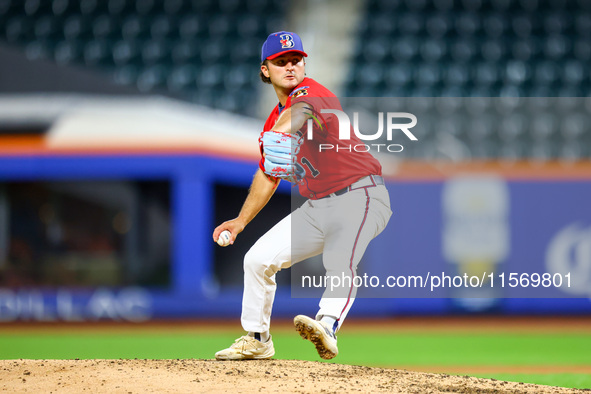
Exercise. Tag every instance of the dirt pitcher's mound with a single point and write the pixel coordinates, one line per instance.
(195, 376)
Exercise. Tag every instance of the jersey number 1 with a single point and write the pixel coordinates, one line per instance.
(313, 170)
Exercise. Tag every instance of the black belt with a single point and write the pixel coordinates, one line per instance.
(368, 181)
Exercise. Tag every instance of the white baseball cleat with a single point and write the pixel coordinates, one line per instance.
(247, 348)
(319, 334)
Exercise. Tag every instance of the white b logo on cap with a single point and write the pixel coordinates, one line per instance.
(286, 41)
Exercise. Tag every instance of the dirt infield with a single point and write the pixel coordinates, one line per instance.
(200, 376)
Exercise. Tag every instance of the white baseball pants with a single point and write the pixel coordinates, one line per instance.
(339, 227)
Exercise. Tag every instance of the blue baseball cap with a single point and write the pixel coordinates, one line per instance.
(281, 42)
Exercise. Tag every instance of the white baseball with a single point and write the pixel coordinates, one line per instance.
(224, 238)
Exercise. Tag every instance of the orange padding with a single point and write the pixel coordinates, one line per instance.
(11, 146)
(514, 170)
(16, 143)
(408, 170)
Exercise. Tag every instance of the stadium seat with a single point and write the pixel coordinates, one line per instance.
(93, 7)
(185, 51)
(555, 23)
(494, 25)
(19, 30)
(152, 78)
(155, 51)
(385, 6)
(107, 27)
(545, 73)
(5, 8)
(439, 25)
(404, 48)
(512, 127)
(399, 74)
(246, 52)
(443, 5)
(229, 6)
(190, 27)
(126, 75)
(376, 50)
(455, 74)
(511, 151)
(573, 91)
(173, 7)
(204, 96)
(572, 151)
(455, 91)
(573, 72)
(119, 7)
(249, 25)
(67, 52)
(220, 27)
(211, 76)
(573, 126)
(238, 78)
(493, 50)
(467, 24)
(36, 7)
(501, 5)
(256, 6)
(77, 27)
(370, 74)
(485, 74)
(227, 101)
(556, 47)
(163, 27)
(525, 49)
(212, 51)
(463, 50)
(427, 74)
(541, 151)
(39, 49)
(125, 52)
(529, 5)
(480, 128)
(47, 28)
(484, 151)
(181, 78)
(381, 25)
(433, 50)
(409, 24)
(416, 5)
(543, 126)
(145, 7)
(583, 25)
(517, 72)
(522, 26)
(582, 50)
(97, 53)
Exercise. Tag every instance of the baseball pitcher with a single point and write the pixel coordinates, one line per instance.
(348, 204)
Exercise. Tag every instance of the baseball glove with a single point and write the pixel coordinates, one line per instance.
(280, 155)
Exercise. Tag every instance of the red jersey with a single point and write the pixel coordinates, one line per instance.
(331, 164)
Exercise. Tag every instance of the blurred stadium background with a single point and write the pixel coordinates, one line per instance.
(128, 129)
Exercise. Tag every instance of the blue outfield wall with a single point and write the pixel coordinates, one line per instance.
(547, 225)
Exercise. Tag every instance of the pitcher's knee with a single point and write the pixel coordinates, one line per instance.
(256, 262)
(261, 262)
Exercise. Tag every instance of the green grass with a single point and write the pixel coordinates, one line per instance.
(476, 349)
(385, 350)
